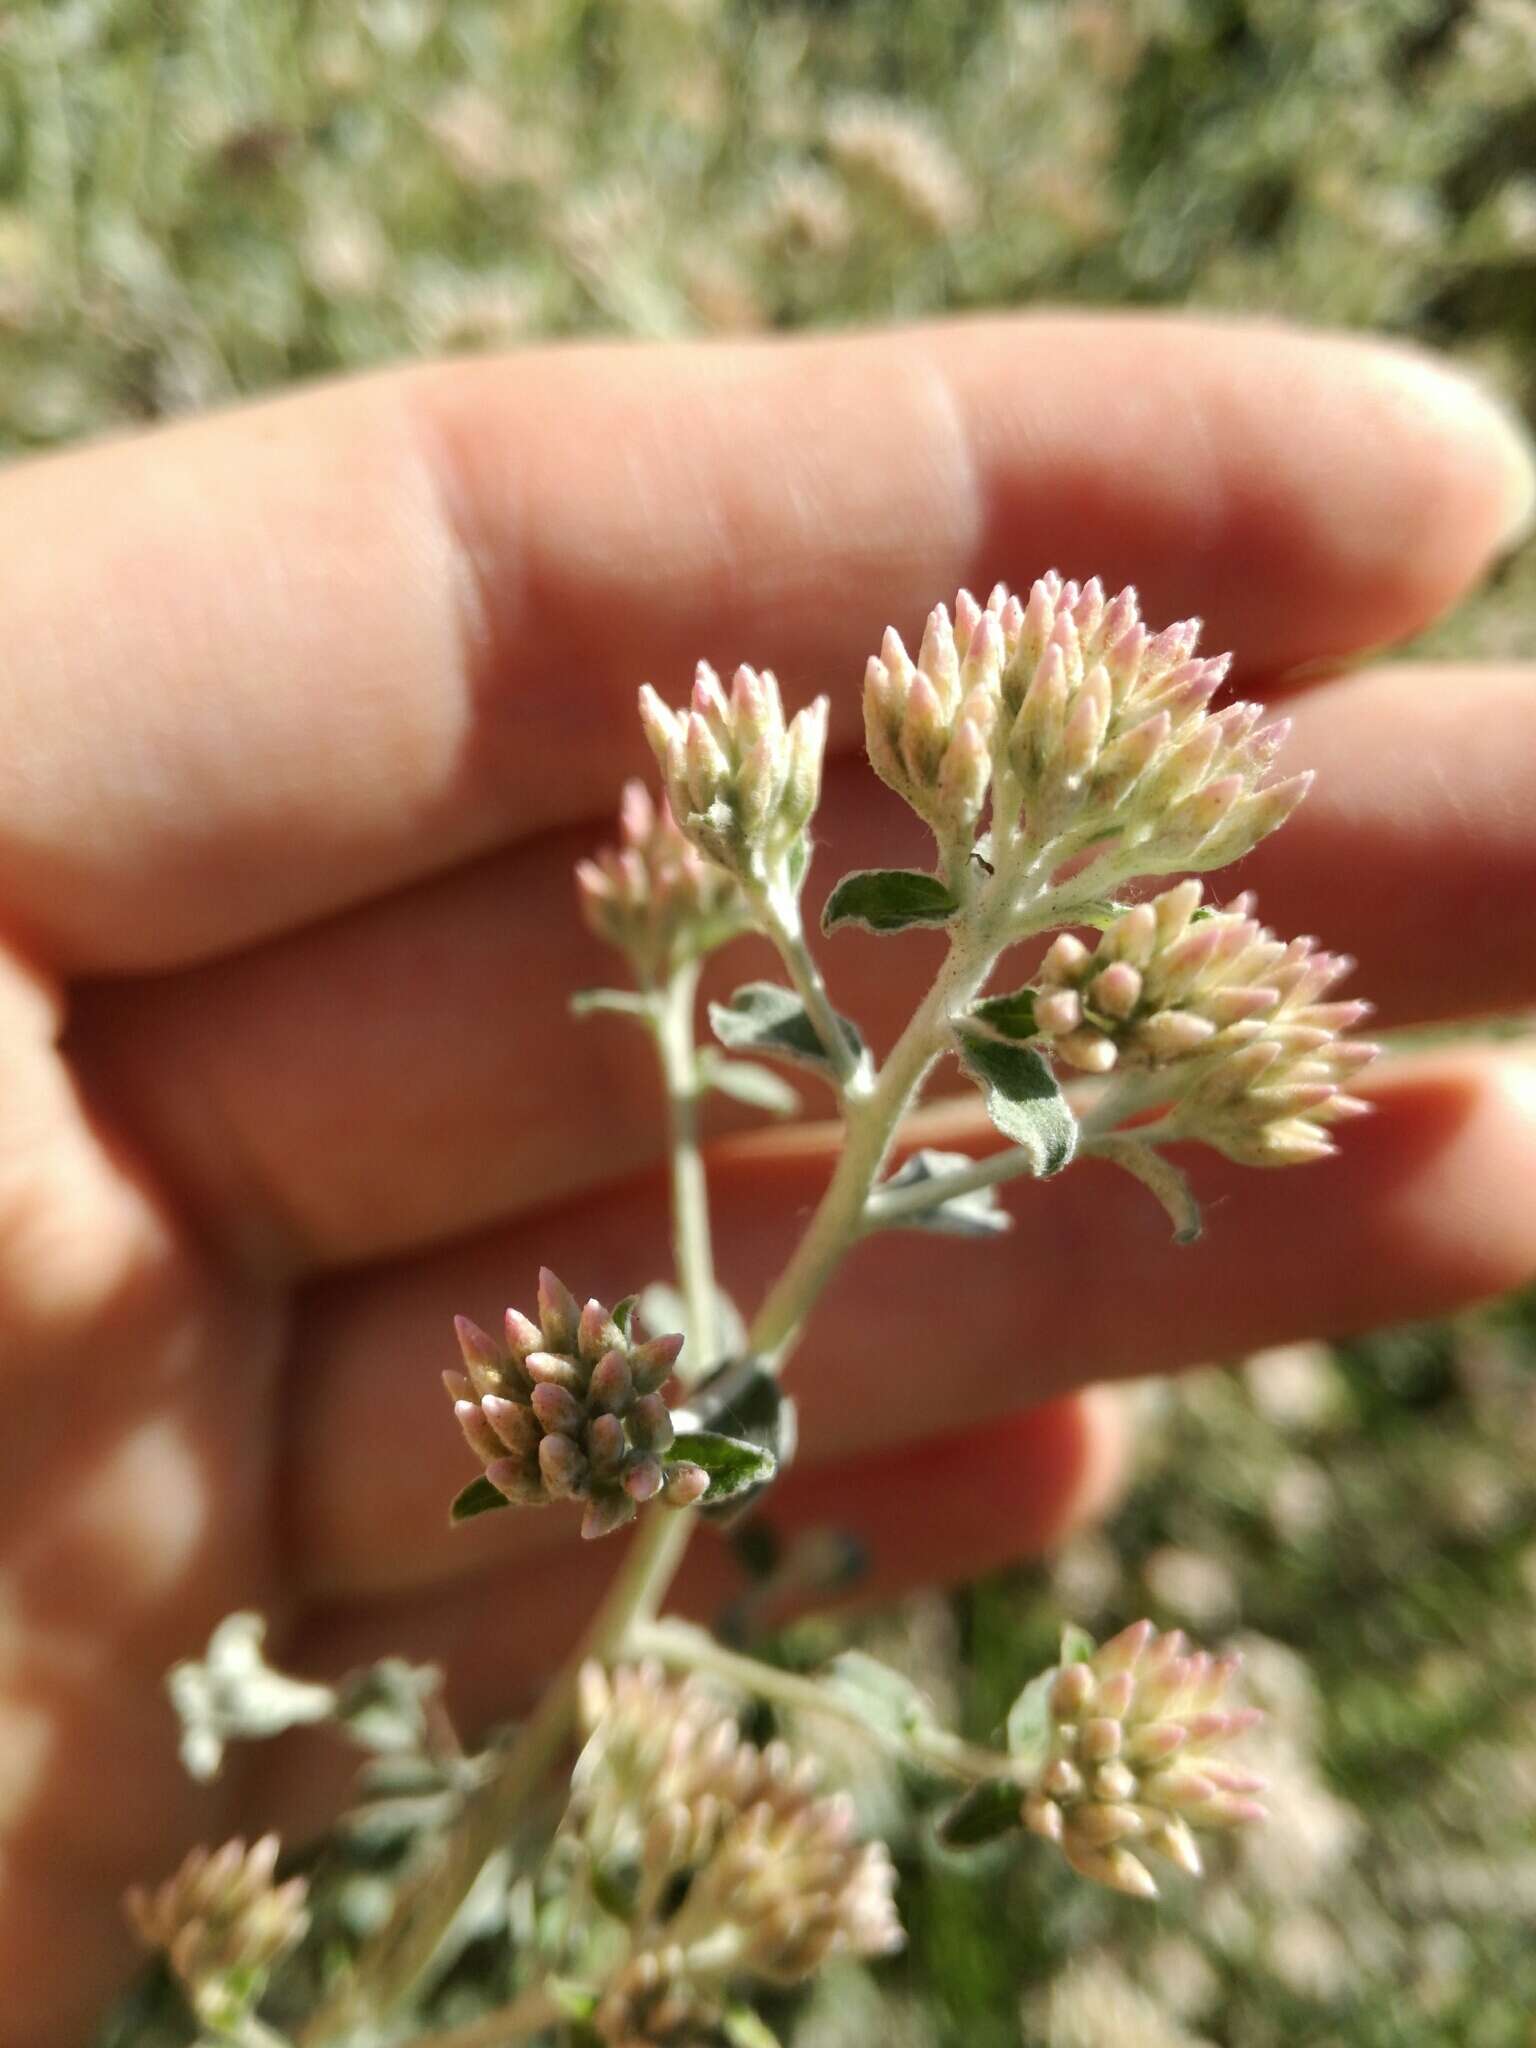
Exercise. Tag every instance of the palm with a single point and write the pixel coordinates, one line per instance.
(311, 710)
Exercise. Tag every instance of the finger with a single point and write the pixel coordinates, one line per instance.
(1427, 1207)
(981, 1498)
(264, 666)
(281, 1089)
(1416, 848)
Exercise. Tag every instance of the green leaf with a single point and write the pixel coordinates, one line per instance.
(763, 1017)
(746, 1081)
(888, 900)
(1077, 1646)
(987, 1811)
(624, 1315)
(478, 1498)
(976, 1214)
(882, 1698)
(622, 1002)
(1028, 1726)
(1160, 1177)
(1022, 1098)
(1012, 1015)
(743, 2029)
(574, 2001)
(733, 1465)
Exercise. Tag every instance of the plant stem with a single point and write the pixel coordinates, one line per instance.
(872, 1123)
(691, 1650)
(530, 2014)
(692, 1251)
(778, 917)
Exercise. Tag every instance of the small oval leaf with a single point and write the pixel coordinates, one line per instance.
(987, 1811)
(1023, 1099)
(478, 1498)
(1012, 1015)
(889, 900)
(977, 1213)
(763, 1017)
(732, 1464)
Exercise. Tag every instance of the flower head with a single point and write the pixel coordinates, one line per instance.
(928, 724)
(655, 896)
(223, 1924)
(1239, 1024)
(739, 1867)
(1133, 1759)
(571, 1408)
(742, 784)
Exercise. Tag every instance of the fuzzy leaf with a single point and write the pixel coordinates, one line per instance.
(1077, 1646)
(624, 1314)
(976, 1214)
(1012, 1015)
(746, 1081)
(1028, 1726)
(1160, 1177)
(478, 1498)
(987, 1811)
(885, 1700)
(622, 1002)
(763, 1017)
(888, 900)
(733, 1465)
(1022, 1098)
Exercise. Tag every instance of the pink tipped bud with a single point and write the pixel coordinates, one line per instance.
(559, 1312)
(652, 1362)
(650, 1424)
(481, 1353)
(563, 1467)
(558, 1412)
(644, 1479)
(1117, 990)
(686, 1484)
(612, 1386)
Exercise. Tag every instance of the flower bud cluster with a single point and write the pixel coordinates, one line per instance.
(1133, 1758)
(1106, 728)
(223, 1923)
(1243, 1016)
(655, 896)
(571, 1408)
(743, 1870)
(1098, 727)
(742, 784)
(928, 724)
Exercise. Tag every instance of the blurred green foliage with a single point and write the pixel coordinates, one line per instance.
(210, 198)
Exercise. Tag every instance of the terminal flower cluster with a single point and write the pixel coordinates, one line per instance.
(1134, 1758)
(223, 1923)
(572, 1408)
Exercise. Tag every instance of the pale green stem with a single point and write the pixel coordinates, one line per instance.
(900, 1205)
(872, 1124)
(778, 917)
(673, 1011)
(530, 2014)
(687, 1649)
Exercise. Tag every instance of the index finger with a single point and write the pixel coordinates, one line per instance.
(268, 665)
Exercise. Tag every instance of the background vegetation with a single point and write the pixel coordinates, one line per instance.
(204, 199)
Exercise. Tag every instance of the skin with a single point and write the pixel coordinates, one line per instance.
(310, 708)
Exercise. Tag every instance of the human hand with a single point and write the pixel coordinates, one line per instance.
(311, 708)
